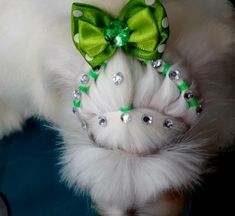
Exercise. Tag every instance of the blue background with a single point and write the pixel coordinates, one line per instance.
(29, 177)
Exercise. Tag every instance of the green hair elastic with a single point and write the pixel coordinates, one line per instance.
(126, 109)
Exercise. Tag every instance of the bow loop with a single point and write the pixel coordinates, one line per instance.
(91, 39)
(140, 29)
(142, 36)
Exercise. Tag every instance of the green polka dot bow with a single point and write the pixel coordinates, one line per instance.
(141, 29)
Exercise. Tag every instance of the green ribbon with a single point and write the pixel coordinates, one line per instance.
(140, 29)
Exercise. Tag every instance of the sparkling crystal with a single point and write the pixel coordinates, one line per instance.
(126, 118)
(174, 75)
(84, 125)
(84, 79)
(168, 123)
(117, 33)
(188, 95)
(77, 95)
(157, 63)
(118, 78)
(102, 120)
(147, 119)
(199, 109)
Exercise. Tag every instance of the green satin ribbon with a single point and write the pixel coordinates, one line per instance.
(140, 29)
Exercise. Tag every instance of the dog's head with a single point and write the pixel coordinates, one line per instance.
(140, 136)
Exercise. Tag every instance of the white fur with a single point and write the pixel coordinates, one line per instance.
(133, 164)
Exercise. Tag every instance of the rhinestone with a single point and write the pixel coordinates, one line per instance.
(157, 64)
(168, 123)
(84, 125)
(77, 95)
(117, 33)
(84, 79)
(126, 117)
(118, 78)
(102, 120)
(199, 109)
(174, 75)
(147, 119)
(188, 95)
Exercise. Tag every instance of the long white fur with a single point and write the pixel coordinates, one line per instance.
(39, 69)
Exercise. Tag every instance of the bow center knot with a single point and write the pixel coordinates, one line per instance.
(117, 33)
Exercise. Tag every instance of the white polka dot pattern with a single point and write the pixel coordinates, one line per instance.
(77, 13)
(161, 48)
(149, 2)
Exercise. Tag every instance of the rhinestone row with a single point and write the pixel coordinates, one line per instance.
(126, 118)
(118, 78)
(84, 84)
(183, 86)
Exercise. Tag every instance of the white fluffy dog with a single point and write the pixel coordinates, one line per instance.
(142, 167)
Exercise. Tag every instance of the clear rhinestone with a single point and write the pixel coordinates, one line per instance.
(77, 95)
(102, 120)
(147, 119)
(126, 118)
(199, 109)
(168, 123)
(157, 63)
(174, 75)
(84, 79)
(118, 78)
(188, 95)
(84, 125)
